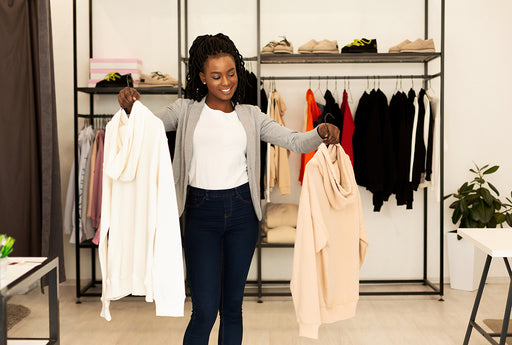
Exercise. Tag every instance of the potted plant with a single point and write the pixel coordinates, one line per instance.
(476, 205)
(6, 247)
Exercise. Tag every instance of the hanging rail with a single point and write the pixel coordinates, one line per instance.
(348, 77)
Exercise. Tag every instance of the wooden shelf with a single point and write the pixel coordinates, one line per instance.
(159, 90)
(349, 58)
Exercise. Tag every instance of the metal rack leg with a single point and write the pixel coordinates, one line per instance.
(477, 299)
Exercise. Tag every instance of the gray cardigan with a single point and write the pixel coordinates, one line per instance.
(182, 116)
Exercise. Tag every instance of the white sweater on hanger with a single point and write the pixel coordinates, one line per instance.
(140, 243)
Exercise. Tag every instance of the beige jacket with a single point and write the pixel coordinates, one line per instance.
(278, 160)
(330, 244)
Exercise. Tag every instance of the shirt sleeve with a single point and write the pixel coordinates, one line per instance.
(171, 114)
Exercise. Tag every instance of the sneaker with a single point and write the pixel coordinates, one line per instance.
(114, 79)
(362, 45)
(269, 47)
(326, 47)
(419, 46)
(157, 79)
(396, 49)
(283, 47)
(307, 48)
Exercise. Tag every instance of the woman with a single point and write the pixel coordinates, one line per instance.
(216, 169)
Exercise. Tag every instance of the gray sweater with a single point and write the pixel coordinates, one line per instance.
(182, 116)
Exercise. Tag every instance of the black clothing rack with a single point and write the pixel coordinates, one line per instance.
(371, 58)
(93, 282)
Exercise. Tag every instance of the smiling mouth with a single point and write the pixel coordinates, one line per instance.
(226, 90)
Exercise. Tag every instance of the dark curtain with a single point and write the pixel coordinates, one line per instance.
(30, 193)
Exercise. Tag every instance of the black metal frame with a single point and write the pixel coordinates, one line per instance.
(423, 58)
(506, 318)
(23, 284)
(92, 91)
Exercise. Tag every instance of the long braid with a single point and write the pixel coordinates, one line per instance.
(204, 47)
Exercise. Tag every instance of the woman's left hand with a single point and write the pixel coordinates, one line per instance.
(329, 133)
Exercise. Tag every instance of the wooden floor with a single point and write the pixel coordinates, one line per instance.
(382, 320)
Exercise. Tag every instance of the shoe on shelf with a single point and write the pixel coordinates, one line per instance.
(307, 48)
(419, 46)
(114, 79)
(157, 79)
(269, 47)
(396, 49)
(362, 45)
(326, 47)
(283, 47)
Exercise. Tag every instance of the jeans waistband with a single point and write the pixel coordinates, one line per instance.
(219, 193)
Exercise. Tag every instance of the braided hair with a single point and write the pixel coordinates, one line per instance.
(202, 48)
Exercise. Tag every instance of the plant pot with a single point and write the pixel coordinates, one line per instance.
(3, 269)
(465, 263)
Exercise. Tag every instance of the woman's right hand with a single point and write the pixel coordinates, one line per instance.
(126, 99)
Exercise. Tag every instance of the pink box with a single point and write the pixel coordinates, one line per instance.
(109, 63)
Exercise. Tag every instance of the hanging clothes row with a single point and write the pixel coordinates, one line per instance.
(90, 172)
(394, 144)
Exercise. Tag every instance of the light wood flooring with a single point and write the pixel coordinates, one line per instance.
(381, 320)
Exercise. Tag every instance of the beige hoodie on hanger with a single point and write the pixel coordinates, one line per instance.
(278, 160)
(330, 244)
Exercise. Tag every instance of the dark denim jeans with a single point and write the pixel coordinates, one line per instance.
(221, 230)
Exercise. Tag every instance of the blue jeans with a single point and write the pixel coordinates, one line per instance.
(221, 230)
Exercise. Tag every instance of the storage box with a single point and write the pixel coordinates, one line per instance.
(117, 63)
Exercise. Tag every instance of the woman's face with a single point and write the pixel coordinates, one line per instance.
(220, 78)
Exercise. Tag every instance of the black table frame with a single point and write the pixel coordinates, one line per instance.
(506, 317)
(23, 284)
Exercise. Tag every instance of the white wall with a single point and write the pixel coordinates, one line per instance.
(477, 84)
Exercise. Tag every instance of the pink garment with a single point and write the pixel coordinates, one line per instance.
(96, 239)
(97, 183)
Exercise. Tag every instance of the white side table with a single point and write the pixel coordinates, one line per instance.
(496, 243)
(23, 274)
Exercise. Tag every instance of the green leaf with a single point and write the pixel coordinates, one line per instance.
(455, 204)
(473, 171)
(482, 168)
(479, 180)
(476, 214)
(493, 188)
(499, 217)
(509, 219)
(456, 215)
(471, 198)
(447, 196)
(491, 170)
(486, 196)
(463, 188)
(488, 212)
(463, 205)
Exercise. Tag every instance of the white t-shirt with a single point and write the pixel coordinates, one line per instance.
(219, 151)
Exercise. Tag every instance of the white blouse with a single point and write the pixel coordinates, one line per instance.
(219, 151)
